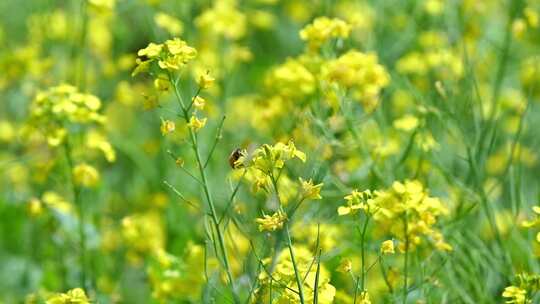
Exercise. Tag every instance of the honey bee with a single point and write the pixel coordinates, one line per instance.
(234, 157)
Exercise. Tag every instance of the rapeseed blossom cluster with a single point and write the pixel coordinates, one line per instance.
(322, 30)
(359, 73)
(169, 56)
(405, 211)
(54, 110)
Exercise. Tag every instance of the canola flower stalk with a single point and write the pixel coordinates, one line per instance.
(75, 189)
(206, 188)
(289, 243)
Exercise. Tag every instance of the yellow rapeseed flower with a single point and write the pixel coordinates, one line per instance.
(167, 126)
(387, 247)
(271, 222)
(73, 296)
(85, 175)
(206, 81)
(323, 29)
(196, 124)
(515, 295)
(169, 23)
(309, 190)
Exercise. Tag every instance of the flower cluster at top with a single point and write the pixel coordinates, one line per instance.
(322, 30)
(269, 158)
(161, 61)
(170, 56)
(264, 170)
(405, 211)
(53, 110)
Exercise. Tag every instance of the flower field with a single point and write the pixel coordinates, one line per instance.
(270, 151)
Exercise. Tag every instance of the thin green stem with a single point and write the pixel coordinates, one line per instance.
(289, 244)
(363, 253)
(295, 267)
(406, 259)
(216, 140)
(206, 190)
(80, 210)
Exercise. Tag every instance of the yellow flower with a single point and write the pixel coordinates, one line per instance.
(361, 74)
(434, 7)
(52, 110)
(356, 201)
(206, 81)
(7, 131)
(198, 102)
(178, 47)
(167, 126)
(364, 298)
(323, 29)
(345, 266)
(291, 80)
(284, 270)
(151, 51)
(532, 17)
(515, 295)
(406, 123)
(267, 158)
(95, 140)
(387, 247)
(171, 55)
(196, 124)
(223, 19)
(271, 223)
(85, 175)
(35, 207)
(169, 23)
(54, 201)
(310, 191)
(73, 296)
(162, 84)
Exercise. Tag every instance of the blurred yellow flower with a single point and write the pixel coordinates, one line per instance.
(169, 23)
(73, 296)
(406, 123)
(85, 175)
(323, 29)
(167, 126)
(515, 295)
(206, 81)
(387, 247)
(271, 222)
(309, 190)
(196, 124)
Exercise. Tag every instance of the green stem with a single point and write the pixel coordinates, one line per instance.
(406, 260)
(363, 253)
(289, 244)
(80, 210)
(293, 260)
(207, 192)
